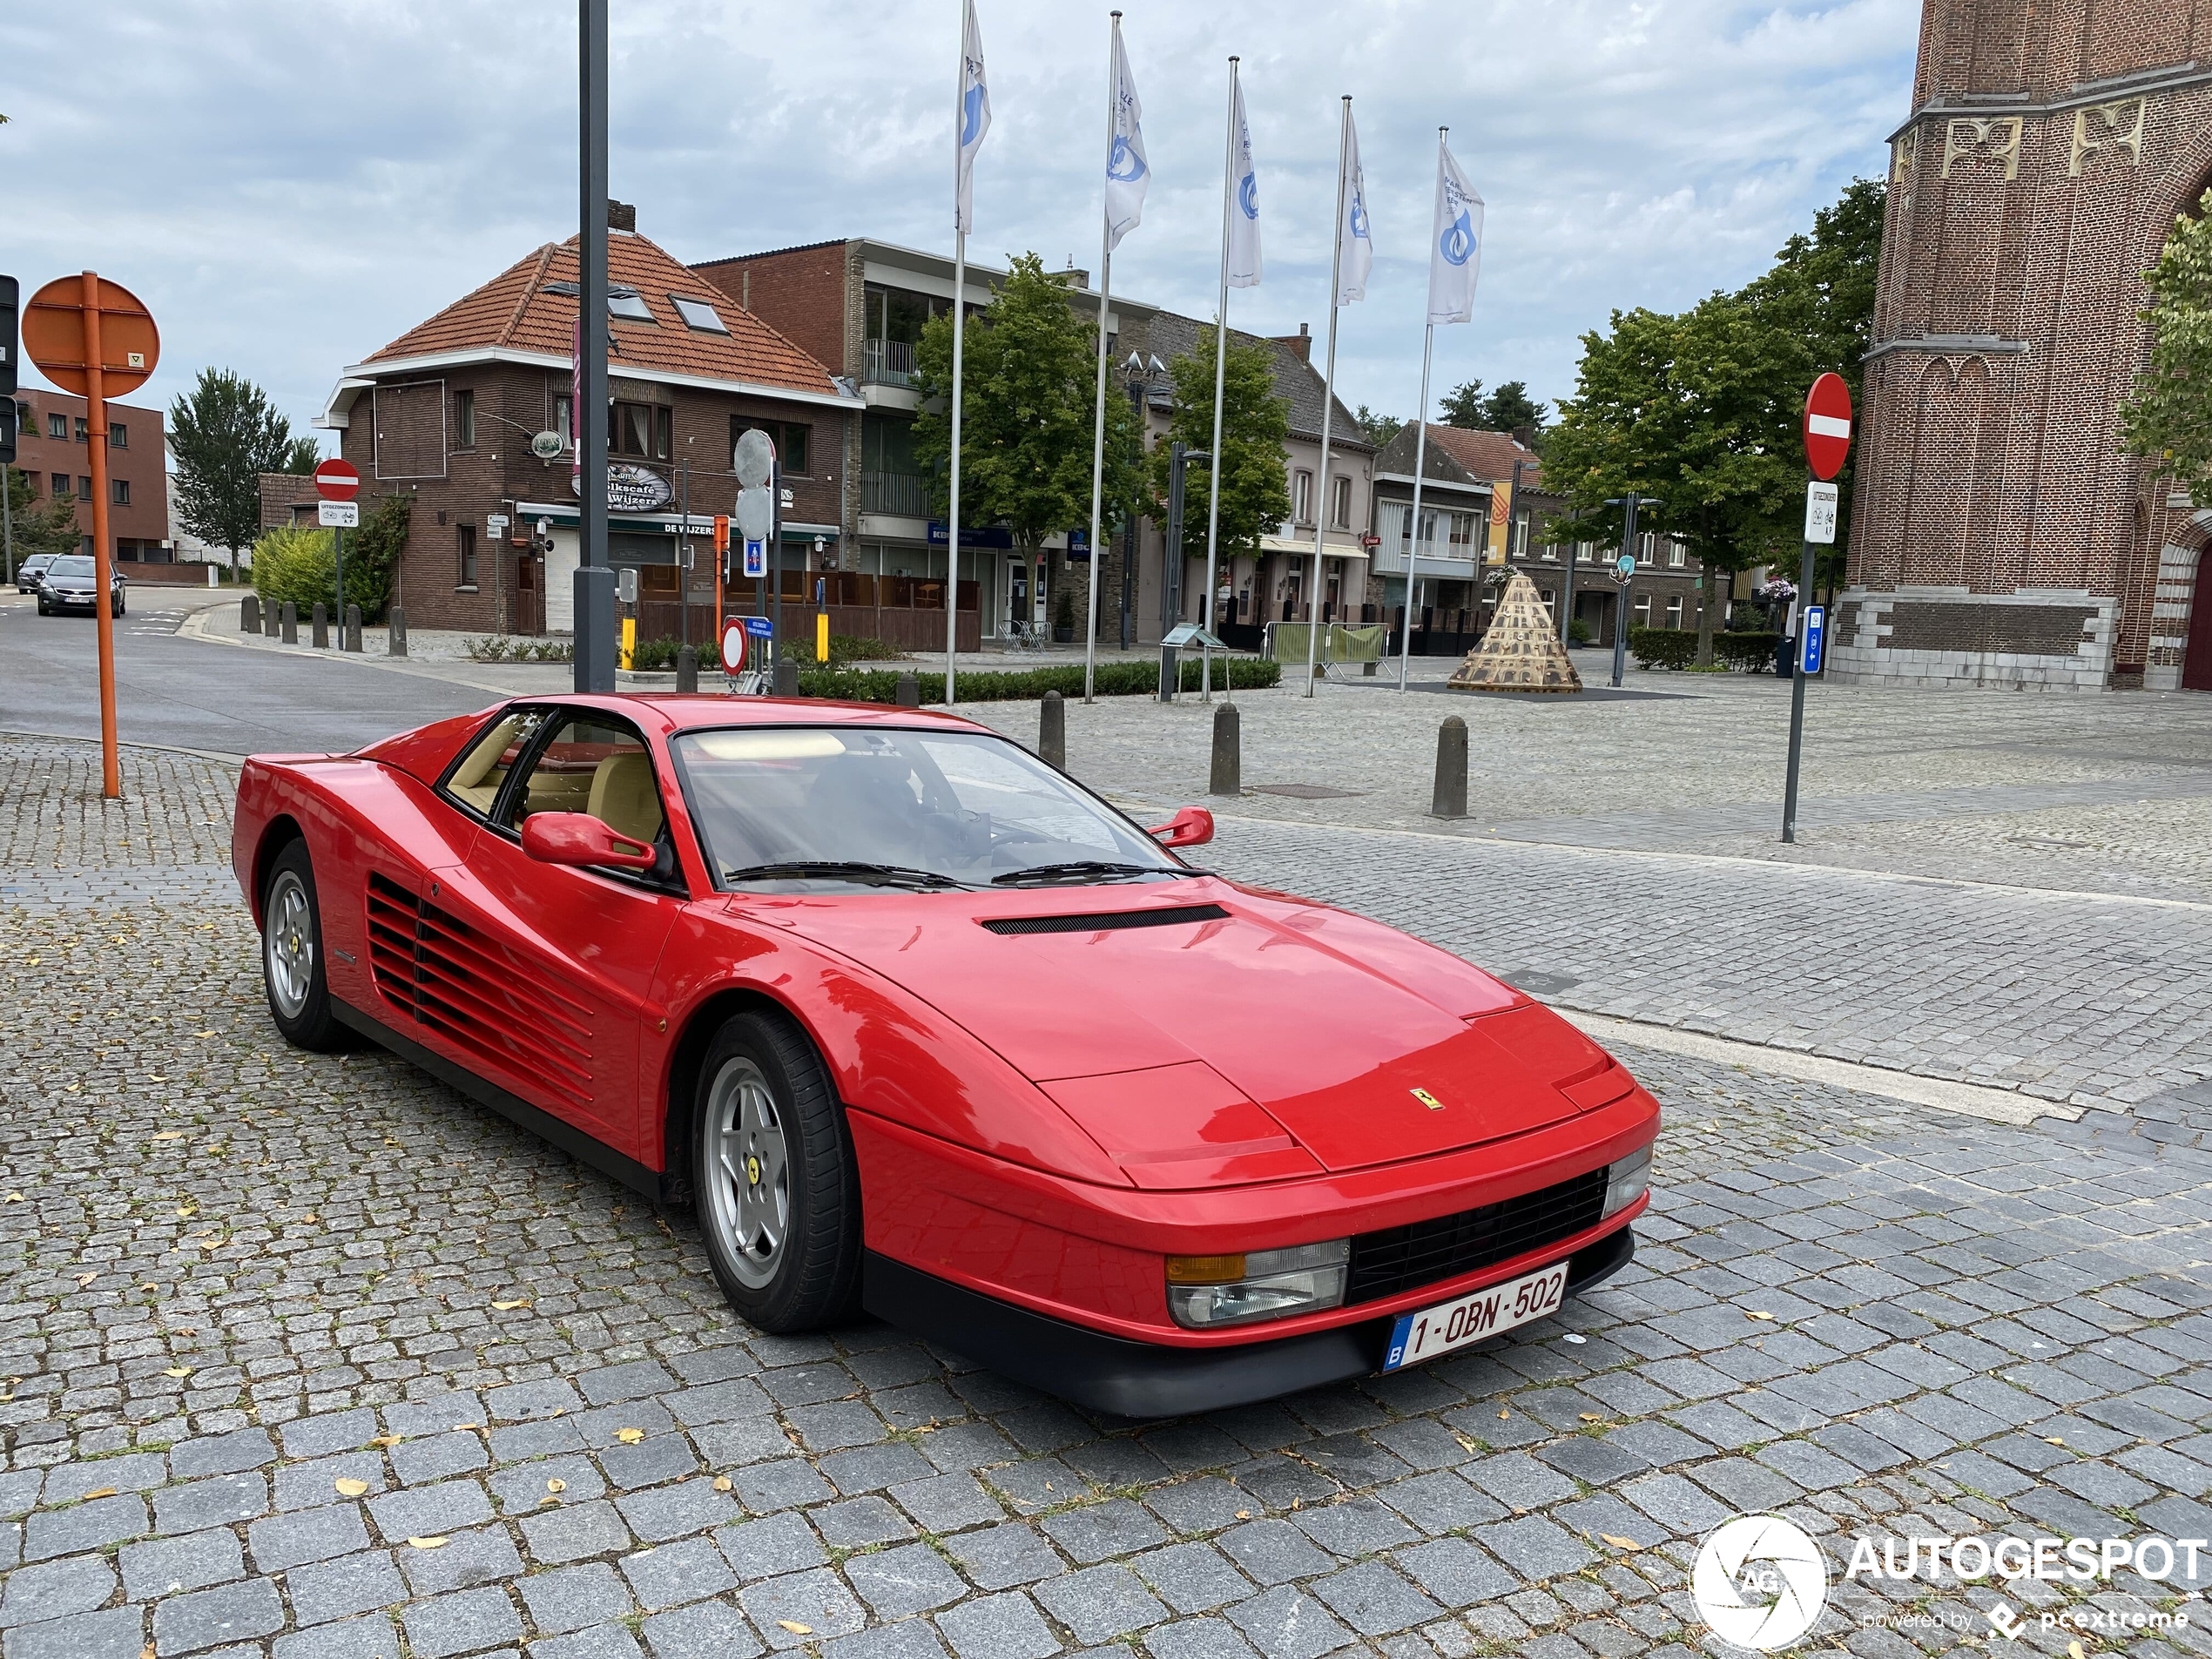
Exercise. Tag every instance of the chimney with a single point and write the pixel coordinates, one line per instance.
(622, 216)
(1525, 436)
(1300, 342)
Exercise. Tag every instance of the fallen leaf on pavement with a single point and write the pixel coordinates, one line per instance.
(347, 1487)
(82, 1279)
(1619, 1542)
(721, 1483)
(178, 1371)
(1754, 1313)
(630, 1436)
(15, 1197)
(463, 1428)
(386, 1440)
(557, 1485)
(795, 1628)
(509, 1307)
(171, 1135)
(432, 1542)
(99, 1492)
(1591, 1417)
(1243, 1515)
(2054, 1439)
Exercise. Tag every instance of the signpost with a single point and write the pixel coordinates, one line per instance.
(92, 337)
(8, 292)
(338, 482)
(1624, 572)
(1828, 427)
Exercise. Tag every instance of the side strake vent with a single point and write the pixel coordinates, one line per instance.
(1109, 920)
(474, 993)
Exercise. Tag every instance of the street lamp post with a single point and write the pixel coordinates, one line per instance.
(595, 578)
(1628, 504)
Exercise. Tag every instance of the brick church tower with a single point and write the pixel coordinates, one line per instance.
(2001, 536)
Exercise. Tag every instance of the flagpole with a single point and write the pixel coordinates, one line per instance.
(1220, 374)
(1098, 426)
(1413, 542)
(1328, 397)
(960, 309)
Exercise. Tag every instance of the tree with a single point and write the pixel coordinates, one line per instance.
(1377, 427)
(1029, 387)
(1464, 408)
(223, 434)
(2169, 415)
(1510, 408)
(47, 528)
(1255, 487)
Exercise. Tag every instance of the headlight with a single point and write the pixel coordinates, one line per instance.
(1207, 1291)
(1627, 1180)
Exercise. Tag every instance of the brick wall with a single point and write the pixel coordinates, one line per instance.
(139, 527)
(2047, 156)
(801, 293)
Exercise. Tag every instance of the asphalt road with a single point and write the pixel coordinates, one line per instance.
(198, 694)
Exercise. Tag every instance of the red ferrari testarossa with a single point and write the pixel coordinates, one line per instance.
(920, 1026)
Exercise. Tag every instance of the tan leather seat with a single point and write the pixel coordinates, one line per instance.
(623, 797)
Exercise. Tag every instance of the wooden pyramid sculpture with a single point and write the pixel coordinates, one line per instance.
(1522, 650)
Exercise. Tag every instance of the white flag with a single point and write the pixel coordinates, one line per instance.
(1455, 242)
(974, 118)
(1358, 252)
(1127, 174)
(1243, 210)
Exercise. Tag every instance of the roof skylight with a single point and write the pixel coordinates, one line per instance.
(698, 313)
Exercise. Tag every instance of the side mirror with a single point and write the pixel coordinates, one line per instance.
(580, 838)
(1192, 826)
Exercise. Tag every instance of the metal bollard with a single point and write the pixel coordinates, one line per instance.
(786, 677)
(909, 692)
(1450, 798)
(395, 624)
(353, 628)
(249, 614)
(1052, 731)
(291, 623)
(687, 669)
(1227, 777)
(321, 635)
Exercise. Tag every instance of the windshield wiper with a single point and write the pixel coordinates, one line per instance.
(1079, 870)
(872, 875)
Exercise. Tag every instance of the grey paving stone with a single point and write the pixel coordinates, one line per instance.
(327, 1431)
(998, 1558)
(423, 1512)
(466, 1622)
(572, 1532)
(135, 1472)
(1534, 1547)
(671, 1512)
(765, 1486)
(210, 1618)
(439, 1457)
(1374, 1600)
(218, 1502)
(911, 1639)
(87, 1526)
(600, 1642)
(1455, 1572)
(910, 1579)
(523, 1489)
(669, 1575)
(861, 1522)
(55, 1589)
(118, 1633)
(572, 1597)
(769, 1547)
(231, 1453)
(304, 1486)
(816, 1602)
(369, 1638)
(341, 1589)
(1274, 1552)
(481, 1556)
(305, 1535)
(704, 1630)
(1099, 1603)
(169, 1566)
(998, 1626)
(1199, 1639)
(1191, 1578)
(1094, 1531)
(1286, 1624)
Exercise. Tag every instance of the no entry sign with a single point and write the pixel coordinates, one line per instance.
(338, 481)
(1827, 426)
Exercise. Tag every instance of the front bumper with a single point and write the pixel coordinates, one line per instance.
(71, 601)
(1132, 1378)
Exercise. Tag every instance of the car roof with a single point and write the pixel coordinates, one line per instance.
(698, 711)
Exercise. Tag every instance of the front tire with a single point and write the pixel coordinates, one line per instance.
(778, 1191)
(291, 958)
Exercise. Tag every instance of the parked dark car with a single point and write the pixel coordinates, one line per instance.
(70, 583)
(29, 572)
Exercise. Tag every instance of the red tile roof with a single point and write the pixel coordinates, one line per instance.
(515, 312)
(1489, 456)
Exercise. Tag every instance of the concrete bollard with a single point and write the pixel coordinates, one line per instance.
(249, 614)
(687, 669)
(353, 628)
(786, 677)
(321, 634)
(270, 615)
(1227, 777)
(291, 623)
(1052, 731)
(396, 622)
(909, 692)
(1450, 798)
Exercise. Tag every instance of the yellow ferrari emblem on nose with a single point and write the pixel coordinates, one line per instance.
(1428, 1100)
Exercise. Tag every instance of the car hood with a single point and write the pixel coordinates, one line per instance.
(1365, 1046)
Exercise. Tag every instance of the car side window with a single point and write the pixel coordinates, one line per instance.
(475, 779)
(602, 767)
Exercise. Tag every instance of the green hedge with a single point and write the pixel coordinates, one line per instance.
(1005, 686)
(1677, 648)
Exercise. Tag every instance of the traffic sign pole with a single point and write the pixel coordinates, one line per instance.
(1827, 432)
(103, 566)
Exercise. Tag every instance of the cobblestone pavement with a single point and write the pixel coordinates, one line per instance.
(306, 1357)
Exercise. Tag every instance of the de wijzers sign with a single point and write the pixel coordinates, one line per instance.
(631, 489)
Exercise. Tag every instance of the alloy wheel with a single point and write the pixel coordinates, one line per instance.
(288, 945)
(750, 1184)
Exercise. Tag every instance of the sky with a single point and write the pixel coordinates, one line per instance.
(289, 185)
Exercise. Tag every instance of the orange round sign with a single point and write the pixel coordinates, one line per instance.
(54, 336)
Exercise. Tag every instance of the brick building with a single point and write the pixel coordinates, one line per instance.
(446, 415)
(52, 452)
(2000, 534)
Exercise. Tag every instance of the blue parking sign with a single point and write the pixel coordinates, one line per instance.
(759, 627)
(756, 558)
(1816, 639)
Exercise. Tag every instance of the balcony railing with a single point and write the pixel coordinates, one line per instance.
(887, 362)
(895, 493)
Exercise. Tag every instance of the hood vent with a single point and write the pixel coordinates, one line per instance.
(1109, 920)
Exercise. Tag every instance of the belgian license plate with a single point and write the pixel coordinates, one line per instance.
(1429, 1332)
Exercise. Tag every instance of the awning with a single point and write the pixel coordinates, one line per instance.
(1304, 544)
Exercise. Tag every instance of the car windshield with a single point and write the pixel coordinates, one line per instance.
(802, 805)
(74, 564)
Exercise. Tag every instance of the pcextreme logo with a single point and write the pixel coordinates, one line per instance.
(1760, 1582)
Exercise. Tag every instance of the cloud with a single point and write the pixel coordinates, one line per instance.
(288, 186)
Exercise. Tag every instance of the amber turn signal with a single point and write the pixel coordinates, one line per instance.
(1205, 1270)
